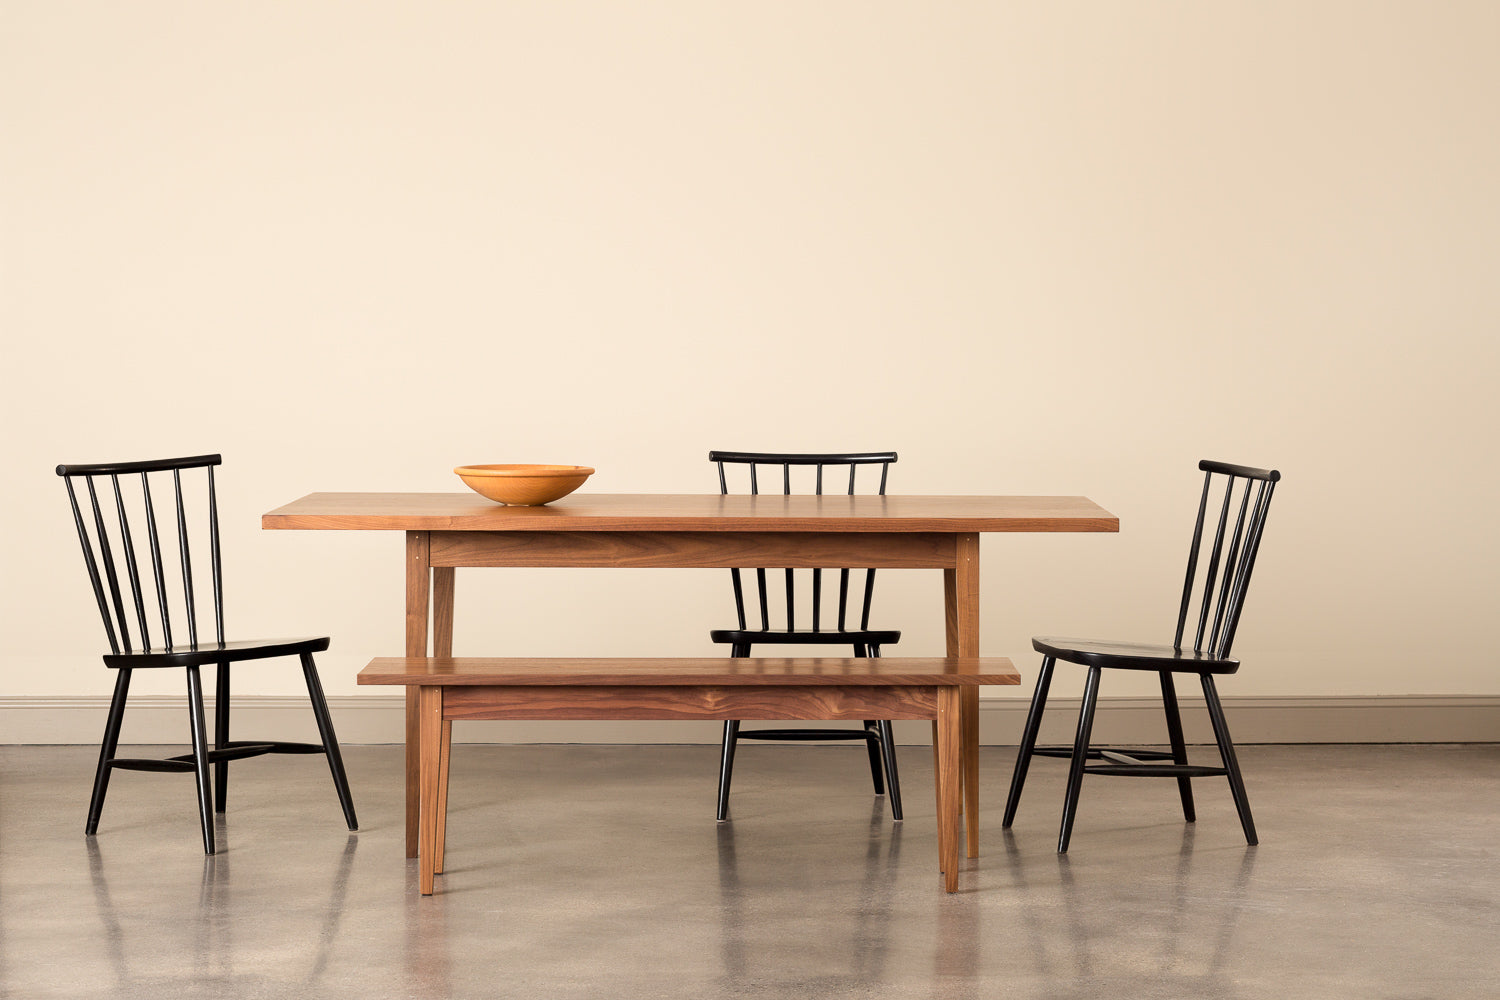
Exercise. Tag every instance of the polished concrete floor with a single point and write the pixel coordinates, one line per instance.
(599, 872)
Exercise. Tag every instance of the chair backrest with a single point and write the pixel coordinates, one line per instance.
(1228, 560)
(810, 466)
(121, 582)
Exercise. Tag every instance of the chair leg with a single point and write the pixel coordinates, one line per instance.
(107, 749)
(888, 754)
(872, 747)
(1028, 740)
(888, 751)
(221, 737)
(1179, 746)
(200, 756)
(731, 739)
(1080, 757)
(330, 741)
(726, 766)
(872, 744)
(1231, 763)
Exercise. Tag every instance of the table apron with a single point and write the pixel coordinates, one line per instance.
(689, 702)
(679, 549)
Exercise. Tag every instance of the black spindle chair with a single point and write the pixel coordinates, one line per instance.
(1227, 559)
(876, 734)
(126, 586)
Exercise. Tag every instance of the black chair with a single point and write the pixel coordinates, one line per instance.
(877, 735)
(1219, 604)
(120, 578)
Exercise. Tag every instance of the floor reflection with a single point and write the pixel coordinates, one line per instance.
(1188, 950)
(852, 941)
(207, 940)
(427, 957)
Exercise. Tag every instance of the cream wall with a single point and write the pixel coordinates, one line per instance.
(1036, 248)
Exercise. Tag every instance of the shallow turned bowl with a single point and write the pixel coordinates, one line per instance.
(523, 485)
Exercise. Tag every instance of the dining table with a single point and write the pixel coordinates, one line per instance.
(447, 531)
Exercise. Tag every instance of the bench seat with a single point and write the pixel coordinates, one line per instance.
(799, 688)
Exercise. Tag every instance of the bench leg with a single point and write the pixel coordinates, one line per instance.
(430, 748)
(970, 730)
(937, 770)
(950, 782)
(444, 754)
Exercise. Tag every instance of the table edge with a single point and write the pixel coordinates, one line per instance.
(615, 672)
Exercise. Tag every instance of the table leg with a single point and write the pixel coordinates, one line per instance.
(961, 607)
(442, 645)
(949, 751)
(442, 610)
(430, 736)
(418, 590)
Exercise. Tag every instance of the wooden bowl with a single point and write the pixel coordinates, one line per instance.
(523, 485)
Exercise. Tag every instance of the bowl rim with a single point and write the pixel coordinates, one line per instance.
(518, 471)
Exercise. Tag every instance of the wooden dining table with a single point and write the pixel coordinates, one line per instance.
(445, 531)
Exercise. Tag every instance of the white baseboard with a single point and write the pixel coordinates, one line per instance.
(1137, 720)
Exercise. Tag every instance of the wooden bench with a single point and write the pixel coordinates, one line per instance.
(822, 688)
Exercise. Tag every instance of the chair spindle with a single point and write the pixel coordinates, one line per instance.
(765, 611)
(791, 603)
(187, 561)
(1212, 574)
(158, 567)
(843, 599)
(131, 571)
(817, 599)
(1231, 567)
(739, 597)
(1252, 547)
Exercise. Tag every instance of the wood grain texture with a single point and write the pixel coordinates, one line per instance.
(445, 754)
(950, 715)
(442, 607)
(961, 602)
(698, 701)
(430, 740)
(725, 550)
(723, 671)
(692, 512)
(418, 591)
(937, 766)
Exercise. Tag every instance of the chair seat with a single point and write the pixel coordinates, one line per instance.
(1131, 655)
(187, 655)
(793, 636)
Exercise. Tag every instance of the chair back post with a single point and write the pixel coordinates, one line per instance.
(215, 556)
(818, 460)
(99, 550)
(1230, 559)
